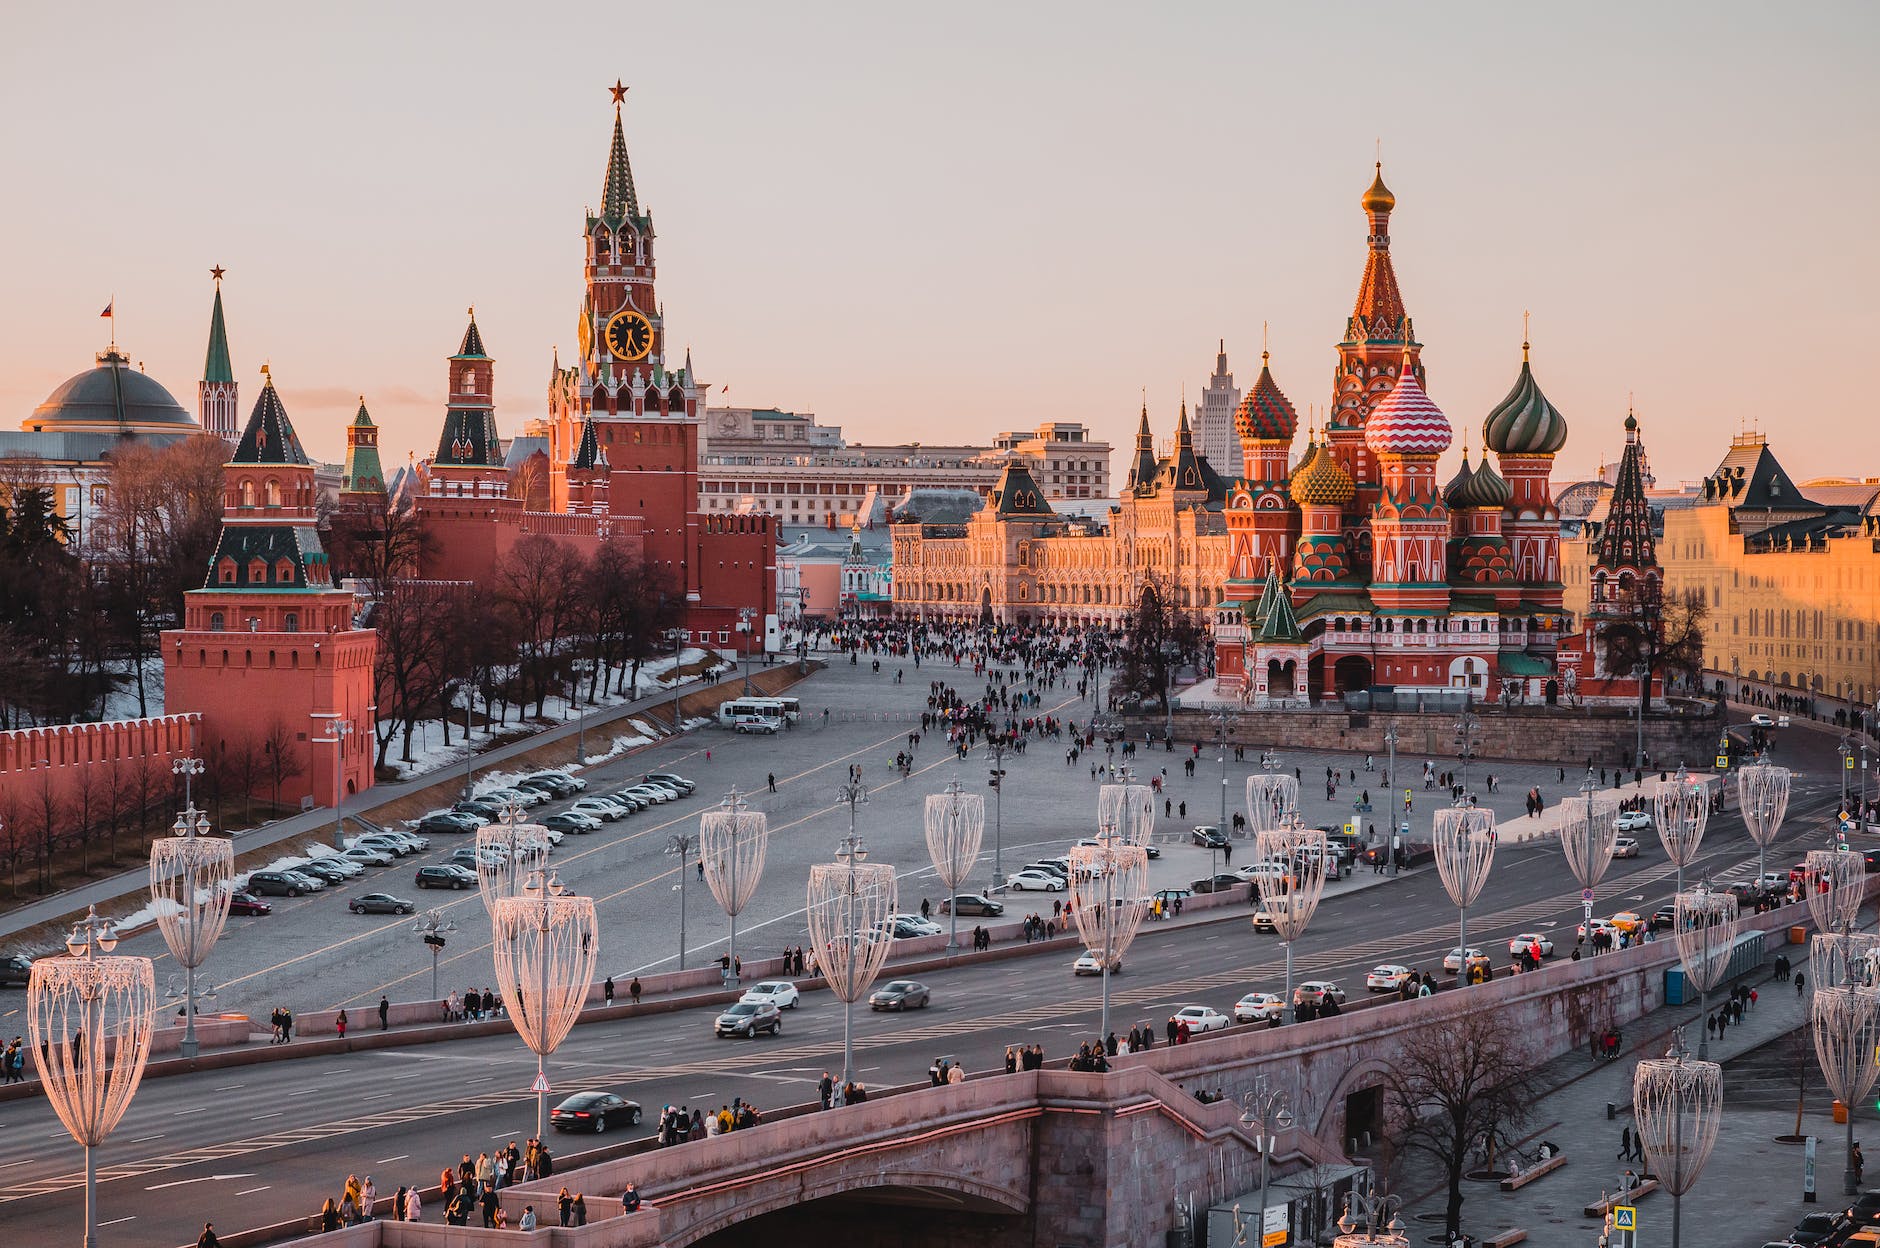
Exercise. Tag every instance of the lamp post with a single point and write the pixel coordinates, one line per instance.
(1265, 1113)
(745, 616)
(1290, 896)
(1678, 1105)
(1681, 810)
(1464, 840)
(850, 901)
(996, 749)
(580, 668)
(544, 946)
(1390, 755)
(434, 927)
(338, 730)
(1108, 898)
(1835, 883)
(1587, 839)
(675, 636)
(1846, 752)
(1762, 790)
(732, 841)
(1375, 1225)
(1846, 1025)
(1642, 673)
(89, 1016)
(955, 822)
(1225, 720)
(680, 844)
(189, 769)
(509, 854)
(191, 878)
(1704, 924)
(1468, 736)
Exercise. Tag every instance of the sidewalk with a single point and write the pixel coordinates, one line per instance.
(1749, 1192)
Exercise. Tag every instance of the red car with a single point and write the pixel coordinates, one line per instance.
(248, 903)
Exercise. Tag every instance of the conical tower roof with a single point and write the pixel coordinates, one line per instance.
(619, 202)
(269, 437)
(216, 366)
(472, 348)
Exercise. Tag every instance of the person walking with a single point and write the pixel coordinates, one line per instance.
(385, 1011)
(825, 1088)
(1799, 977)
(339, 1024)
(1625, 1144)
(607, 990)
(207, 1239)
(414, 1205)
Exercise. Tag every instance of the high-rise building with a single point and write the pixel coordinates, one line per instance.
(1214, 417)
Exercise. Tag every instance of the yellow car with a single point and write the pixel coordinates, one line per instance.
(1629, 922)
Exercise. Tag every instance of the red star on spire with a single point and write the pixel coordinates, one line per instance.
(619, 91)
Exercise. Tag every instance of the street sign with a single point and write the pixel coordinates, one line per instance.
(540, 1086)
(1723, 762)
(1586, 894)
(1275, 1226)
(1625, 1217)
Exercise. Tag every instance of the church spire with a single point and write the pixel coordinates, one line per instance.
(1379, 314)
(1142, 476)
(618, 200)
(216, 367)
(217, 393)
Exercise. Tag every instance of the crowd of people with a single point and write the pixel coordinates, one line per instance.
(472, 1006)
(680, 1123)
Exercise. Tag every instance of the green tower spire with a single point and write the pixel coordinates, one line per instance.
(216, 367)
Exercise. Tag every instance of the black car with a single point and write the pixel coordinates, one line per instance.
(972, 903)
(1819, 1228)
(16, 970)
(750, 1018)
(899, 994)
(1216, 883)
(673, 779)
(276, 884)
(566, 823)
(594, 1111)
(491, 811)
(443, 822)
(314, 867)
(1664, 918)
(1209, 837)
(447, 875)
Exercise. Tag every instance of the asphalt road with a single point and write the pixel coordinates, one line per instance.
(266, 1143)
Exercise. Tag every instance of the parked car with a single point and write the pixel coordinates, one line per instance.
(899, 994)
(367, 856)
(1216, 883)
(446, 875)
(1090, 964)
(1820, 1228)
(602, 808)
(665, 792)
(973, 904)
(485, 812)
(446, 823)
(248, 903)
(386, 843)
(469, 857)
(1208, 836)
(1317, 992)
(768, 725)
(381, 903)
(778, 992)
(923, 927)
(1030, 880)
(674, 779)
(528, 798)
(568, 821)
(749, 1019)
(560, 780)
(280, 884)
(1389, 977)
(1633, 821)
(1625, 847)
(1050, 866)
(16, 971)
(1259, 1007)
(331, 868)
(594, 1111)
(1200, 1019)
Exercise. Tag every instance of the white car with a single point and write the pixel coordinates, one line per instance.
(1452, 961)
(1625, 847)
(1761, 720)
(403, 837)
(926, 927)
(1263, 920)
(384, 842)
(660, 786)
(1389, 977)
(1600, 925)
(1317, 992)
(525, 798)
(1253, 872)
(1041, 881)
(573, 783)
(368, 856)
(778, 992)
(1773, 879)
(1200, 1019)
(1259, 1007)
(1633, 821)
(1524, 942)
(1089, 965)
(653, 793)
(599, 807)
(347, 867)
(758, 723)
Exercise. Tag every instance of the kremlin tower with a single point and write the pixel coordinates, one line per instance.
(217, 394)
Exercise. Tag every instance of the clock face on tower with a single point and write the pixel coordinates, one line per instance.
(629, 335)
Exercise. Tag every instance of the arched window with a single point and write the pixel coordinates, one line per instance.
(225, 572)
(248, 493)
(257, 572)
(468, 385)
(283, 571)
(216, 622)
(273, 492)
(291, 624)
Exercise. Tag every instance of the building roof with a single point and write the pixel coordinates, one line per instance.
(1379, 315)
(1481, 487)
(1406, 421)
(588, 454)
(216, 366)
(112, 394)
(1627, 538)
(619, 202)
(269, 437)
(1277, 623)
(1266, 414)
(1524, 423)
(1016, 494)
(363, 474)
(469, 440)
(1320, 479)
(472, 348)
(1750, 477)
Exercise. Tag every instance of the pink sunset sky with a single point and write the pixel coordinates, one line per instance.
(933, 223)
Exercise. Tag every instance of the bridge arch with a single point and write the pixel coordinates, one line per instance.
(913, 1189)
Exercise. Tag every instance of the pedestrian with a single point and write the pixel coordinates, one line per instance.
(956, 1074)
(825, 1088)
(207, 1239)
(630, 1199)
(414, 1206)
(565, 1206)
(1798, 985)
(339, 1024)
(329, 1215)
(528, 1211)
(368, 1199)
(633, 989)
(1859, 1161)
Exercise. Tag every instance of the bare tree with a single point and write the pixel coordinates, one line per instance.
(538, 584)
(409, 618)
(1663, 636)
(120, 797)
(281, 756)
(1460, 1085)
(377, 541)
(47, 812)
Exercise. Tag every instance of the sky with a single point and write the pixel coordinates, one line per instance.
(933, 223)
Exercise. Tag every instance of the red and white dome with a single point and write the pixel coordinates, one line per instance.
(1406, 422)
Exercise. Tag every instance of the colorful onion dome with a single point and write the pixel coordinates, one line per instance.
(1406, 422)
(1320, 480)
(1266, 414)
(1379, 198)
(1480, 488)
(1525, 423)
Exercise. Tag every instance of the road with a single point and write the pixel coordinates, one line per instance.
(260, 1144)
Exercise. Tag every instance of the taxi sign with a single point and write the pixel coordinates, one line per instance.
(1625, 1217)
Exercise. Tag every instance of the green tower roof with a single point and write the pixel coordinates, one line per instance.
(216, 367)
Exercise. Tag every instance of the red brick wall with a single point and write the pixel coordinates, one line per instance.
(67, 750)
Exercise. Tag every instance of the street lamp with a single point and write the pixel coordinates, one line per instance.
(850, 904)
(189, 769)
(508, 856)
(1846, 752)
(191, 881)
(1835, 883)
(1390, 765)
(1226, 720)
(996, 749)
(1464, 840)
(434, 927)
(1681, 811)
(1846, 1024)
(339, 730)
(675, 636)
(680, 843)
(1290, 896)
(1109, 897)
(1678, 1105)
(1762, 790)
(956, 823)
(89, 1017)
(745, 616)
(732, 841)
(1468, 737)
(545, 950)
(1376, 1224)
(1704, 924)
(1587, 839)
(1265, 1113)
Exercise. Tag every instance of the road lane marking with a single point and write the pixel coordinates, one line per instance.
(251, 1191)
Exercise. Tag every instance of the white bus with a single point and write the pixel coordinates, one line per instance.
(731, 710)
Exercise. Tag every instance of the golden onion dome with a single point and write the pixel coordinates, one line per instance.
(1320, 479)
(1379, 198)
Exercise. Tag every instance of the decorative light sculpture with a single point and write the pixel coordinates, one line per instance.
(1834, 881)
(509, 854)
(731, 843)
(1109, 896)
(1272, 801)
(1678, 1105)
(851, 903)
(545, 944)
(1129, 808)
(1680, 811)
(1291, 896)
(1464, 840)
(956, 824)
(1762, 790)
(1846, 1023)
(89, 1016)
(1844, 960)
(1704, 924)
(192, 877)
(1587, 839)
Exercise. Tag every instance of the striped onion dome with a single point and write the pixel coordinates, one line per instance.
(1266, 414)
(1320, 479)
(1481, 487)
(1525, 423)
(1406, 422)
